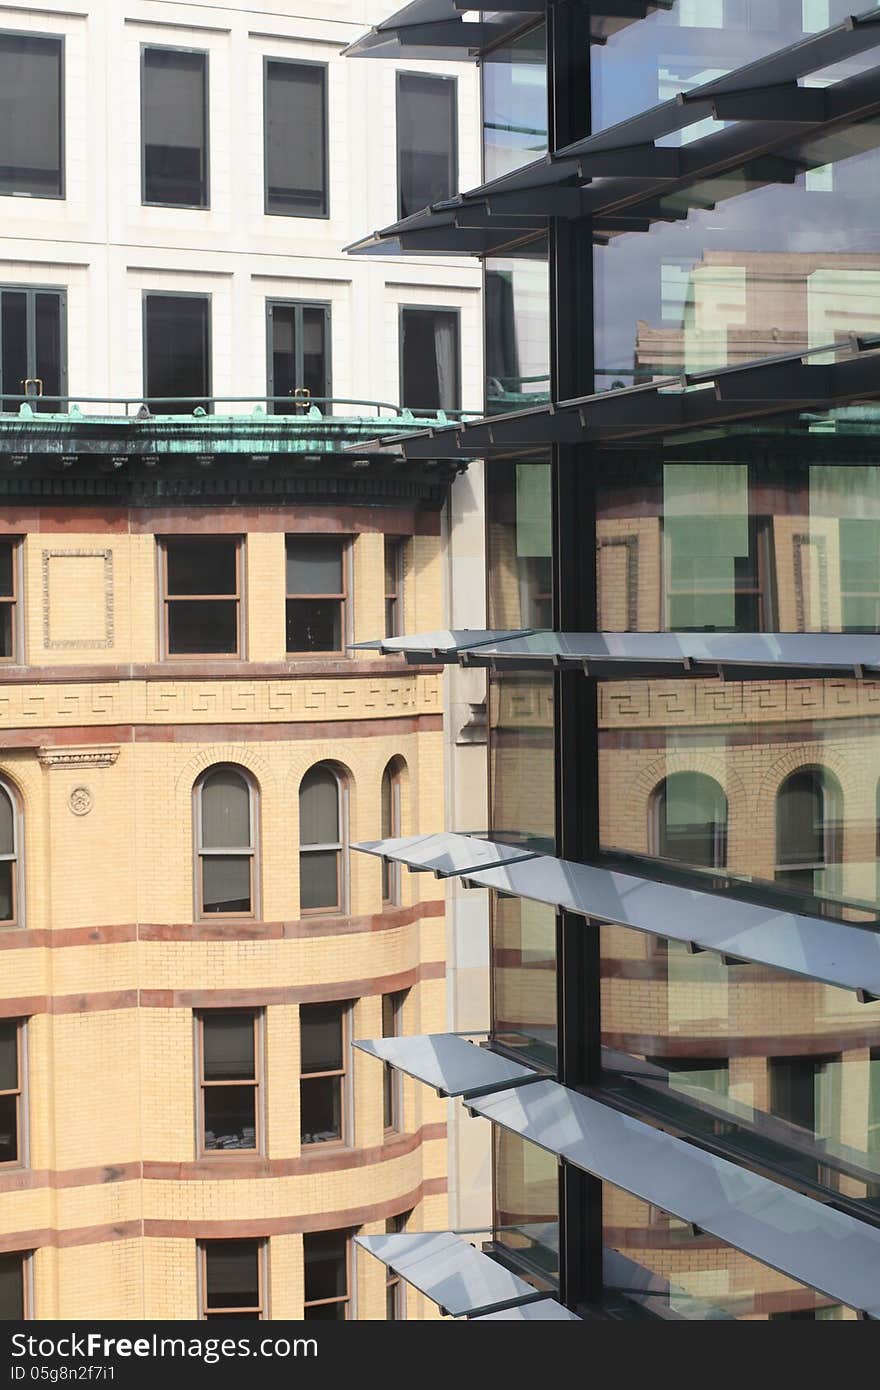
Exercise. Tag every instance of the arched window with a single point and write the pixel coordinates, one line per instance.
(321, 871)
(391, 791)
(807, 830)
(689, 820)
(10, 887)
(226, 844)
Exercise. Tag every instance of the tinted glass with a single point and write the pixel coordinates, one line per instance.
(319, 807)
(515, 103)
(521, 760)
(11, 1288)
(519, 536)
(324, 1256)
(228, 1041)
(13, 344)
(691, 820)
(526, 1193)
(524, 977)
(232, 1274)
(226, 819)
(320, 1110)
(426, 139)
(31, 116)
(48, 348)
(314, 625)
(8, 1055)
(7, 823)
(321, 1037)
(8, 1129)
(429, 351)
(203, 629)
(175, 127)
(314, 565)
(319, 880)
(296, 174)
(516, 308)
(226, 883)
(177, 352)
(7, 901)
(201, 567)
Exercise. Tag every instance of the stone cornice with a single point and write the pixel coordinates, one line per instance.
(94, 755)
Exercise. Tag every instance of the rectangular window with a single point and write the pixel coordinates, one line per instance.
(515, 103)
(295, 134)
(316, 594)
(13, 1287)
(299, 355)
(395, 1288)
(31, 116)
(174, 106)
(323, 1043)
(516, 316)
(202, 596)
(233, 1279)
(805, 1091)
(33, 348)
(394, 553)
(326, 1259)
(229, 1081)
(430, 375)
(8, 600)
(11, 1090)
(392, 1091)
(177, 352)
(427, 157)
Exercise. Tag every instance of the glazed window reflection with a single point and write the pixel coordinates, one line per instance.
(524, 978)
(526, 1196)
(520, 547)
(809, 816)
(689, 820)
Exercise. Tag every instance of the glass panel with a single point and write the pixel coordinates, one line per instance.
(517, 320)
(320, 1110)
(429, 360)
(8, 1054)
(13, 344)
(519, 507)
(426, 140)
(521, 760)
(780, 1067)
(178, 358)
(524, 977)
(230, 1117)
(31, 106)
(7, 631)
(515, 103)
(314, 625)
(321, 1037)
(526, 1193)
(284, 374)
(226, 883)
(175, 127)
(319, 808)
(203, 629)
(319, 880)
(296, 175)
(325, 1262)
(8, 1129)
(233, 1274)
(778, 544)
(807, 810)
(11, 1288)
(202, 567)
(7, 571)
(228, 1047)
(691, 820)
(226, 811)
(314, 367)
(7, 823)
(314, 565)
(7, 884)
(48, 348)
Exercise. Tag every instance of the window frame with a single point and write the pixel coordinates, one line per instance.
(238, 598)
(657, 804)
(257, 1016)
(253, 851)
(455, 311)
(341, 848)
(346, 545)
(26, 1258)
(298, 305)
(397, 546)
(30, 292)
(392, 879)
(392, 1079)
(207, 295)
(16, 921)
(204, 53)
(61, 41)
(345, 1020)
(832, 828)
(20, 1094)
(268, 58)
(395, 1284)
(207, 1314)
(454, 160)
(14, 602)
(347, 1299)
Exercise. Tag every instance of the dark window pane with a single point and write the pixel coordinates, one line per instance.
(321, 1110)
(426, 131)
(232, 1277)
(226, 883)
(229, 1047)
(202, 567)
(296, 175)
(8, 1055)
(325, 1260)
(230, 1117)
(7, 870)
(13, 344)
(285, 377)
(7, 823)
(314, 565)
(429, 360)
(326, 1312)
(691, 820)
(319, 808)
(203, 628)
(321, 1037)
(175, 132)
(177, 351)
(7, 630)
(7, 558)
(314, 625)
(314, 352)
(31, 105)
(319, 880)
(11, 1288)
(8, 1129)
(226, 819)
(47, 339)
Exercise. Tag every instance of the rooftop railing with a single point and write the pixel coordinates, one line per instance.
(145, 407)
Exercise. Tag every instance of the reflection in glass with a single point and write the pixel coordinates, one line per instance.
(517, 319)
(427, 163)
(515, 103)
(295, 115)
(524, 977)
(526, 1194)
(521, 760)
(174, 102)
(31, 116)
(177, 355)
(430, 372)
(689, 814)
(519, 538)
(809, 817)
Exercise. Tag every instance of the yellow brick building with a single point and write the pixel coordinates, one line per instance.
(176, 952)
